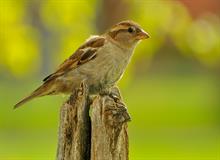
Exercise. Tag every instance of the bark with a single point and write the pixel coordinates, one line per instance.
(109, 128)
(74, 130)
(102, 137)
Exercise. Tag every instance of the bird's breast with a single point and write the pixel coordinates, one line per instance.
(114, 64)
(107, 68)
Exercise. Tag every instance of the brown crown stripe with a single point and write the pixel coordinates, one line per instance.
(123, 26)
(115, 32)
(128, 23)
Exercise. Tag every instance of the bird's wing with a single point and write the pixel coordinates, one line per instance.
(83, 54)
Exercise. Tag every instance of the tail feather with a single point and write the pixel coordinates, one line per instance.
(23, 101)
(40, 91)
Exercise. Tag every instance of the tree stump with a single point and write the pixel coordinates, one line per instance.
(93, 128)
(75, 127)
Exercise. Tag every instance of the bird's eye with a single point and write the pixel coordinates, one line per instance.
(130, 30)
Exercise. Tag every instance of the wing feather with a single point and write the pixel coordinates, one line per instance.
(83, 54)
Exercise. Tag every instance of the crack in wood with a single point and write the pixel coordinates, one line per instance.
(97, 135)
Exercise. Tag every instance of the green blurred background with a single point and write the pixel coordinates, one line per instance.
(171, 87)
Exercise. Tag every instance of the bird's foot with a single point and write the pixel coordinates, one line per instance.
(112, 93)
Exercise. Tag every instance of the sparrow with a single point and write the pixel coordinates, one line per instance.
(100, 62)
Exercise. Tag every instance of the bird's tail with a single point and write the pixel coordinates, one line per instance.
(43, 90)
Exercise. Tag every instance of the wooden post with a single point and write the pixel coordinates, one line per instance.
(74, 129)
(103, 136)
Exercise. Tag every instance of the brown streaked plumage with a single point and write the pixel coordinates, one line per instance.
(79, 57)
(100, 62)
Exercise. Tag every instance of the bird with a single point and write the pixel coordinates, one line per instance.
(99, 62)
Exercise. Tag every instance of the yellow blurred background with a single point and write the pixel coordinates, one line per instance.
(171, 87)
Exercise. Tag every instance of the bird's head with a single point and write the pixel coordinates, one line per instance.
(127, 33)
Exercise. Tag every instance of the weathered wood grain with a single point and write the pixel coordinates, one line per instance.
(93, 129)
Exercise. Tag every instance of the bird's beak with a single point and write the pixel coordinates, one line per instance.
(142, 35)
